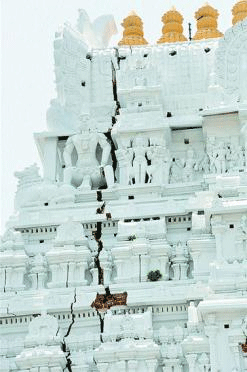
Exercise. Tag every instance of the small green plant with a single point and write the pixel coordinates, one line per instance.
(154, 276)
(131, 238)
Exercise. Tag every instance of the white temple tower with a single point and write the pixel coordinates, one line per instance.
(130, 253)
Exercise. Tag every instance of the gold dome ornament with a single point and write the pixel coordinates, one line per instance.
(239, 11)
(133, 30)
(207, 23)
(172, 30)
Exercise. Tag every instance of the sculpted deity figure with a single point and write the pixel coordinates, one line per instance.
(193, 318)
(87, 172)
(158, 171)
(220, 158)
(140, 161)
(235, 158)
(189, 166)
(211, 154)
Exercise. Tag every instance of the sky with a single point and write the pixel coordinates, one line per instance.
(27, 78)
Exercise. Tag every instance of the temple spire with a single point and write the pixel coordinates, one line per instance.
(239, 11)
(172, 30)
(207, 24)
(133, 30)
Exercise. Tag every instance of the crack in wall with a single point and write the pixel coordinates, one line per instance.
(97, 235)
(63, 345)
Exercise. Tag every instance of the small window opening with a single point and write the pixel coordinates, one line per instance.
(83, 83)
(188, 228)
(145, 55)
(46, 204)
(41, 241)
(186, 141)
(206, 50)
(139, 104)
(168, 114)
(173, 53)
(200, 213)
(231, 226)
(226, 325)
(131, 197)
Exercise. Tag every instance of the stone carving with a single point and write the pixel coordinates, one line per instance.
(158, 171)
(180, 262)
(235, 158)
(127, 326)
(12, 261)
(38, 273)
(193, 319)
(224, 157)
(32, 190)
(87, 172)
(189, 166)
(229, 55)
(98, 33)
(42, 346)
(139, 166)
(69, 258)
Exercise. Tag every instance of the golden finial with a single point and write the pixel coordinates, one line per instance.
(172, 30)
(133, 30)
(206, 18)
(239, 11)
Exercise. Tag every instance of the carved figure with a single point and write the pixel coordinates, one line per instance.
(235, 158)
(189, 166)
(220, 158)
(87, 172)
(140, 161)
(210, 148)
(176, 171)
(243, 224)
(158, 171)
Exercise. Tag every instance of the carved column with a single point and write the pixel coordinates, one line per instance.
(151, 364)
(211, 332)
(191, 359)
(132, 365)
(50, 158)
(124, 166)
(244, 133)
(218, 229)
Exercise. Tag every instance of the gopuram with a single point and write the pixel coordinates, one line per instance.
(128, 251)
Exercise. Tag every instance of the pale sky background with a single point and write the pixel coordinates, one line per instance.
(28, 28)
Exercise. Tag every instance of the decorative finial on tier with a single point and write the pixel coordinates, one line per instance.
(239, 11)
(133, 30)
(172, 30)
(206, 18)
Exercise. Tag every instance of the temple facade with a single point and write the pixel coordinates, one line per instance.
(129, 250)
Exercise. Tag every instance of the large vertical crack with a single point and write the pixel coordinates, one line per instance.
(101, 210)
(98, 237)
(65, 349)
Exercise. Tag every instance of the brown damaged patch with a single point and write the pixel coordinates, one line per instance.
(107, 300)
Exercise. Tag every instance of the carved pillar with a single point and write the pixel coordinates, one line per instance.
(218, 229)
(94, 272)
(102, 366)
(50, 157)
(211, 332)
(151, 365)
(244, 134)
(120, 366)
(77, 273)
(124, 166)
(191, 359)
(132, 365)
